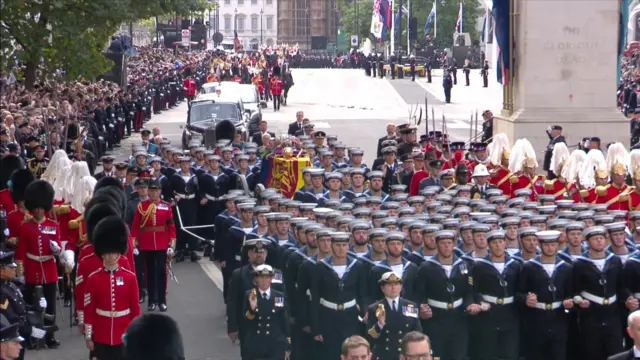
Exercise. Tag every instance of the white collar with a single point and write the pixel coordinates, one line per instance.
(391, 300)
(268, 292)
(636, 352)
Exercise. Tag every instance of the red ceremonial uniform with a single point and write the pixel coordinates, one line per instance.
(556, 187)
(87, 265)
(34, 251)
(6, 202)
(111, 302)
(14, 221)
(153, 227)
(458, 157)
(190, 87)
(78, 234)
(500, 178)
(616, 198)
(524, 182)
(589, 196)
(276, 86)
(634, 200)
(414, 187)
(429, 148)
(237, 79)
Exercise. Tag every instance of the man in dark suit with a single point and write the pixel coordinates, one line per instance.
(391, 135)
(435, 166)
(555, 136)
(297, 125)
(388, 167)
(633, 329)
(257, 137)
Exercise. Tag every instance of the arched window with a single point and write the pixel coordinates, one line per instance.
(254, 44)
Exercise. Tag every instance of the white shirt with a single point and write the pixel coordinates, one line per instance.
(447, 269)
(340, 270)
(499, 267)
(599, 263)
(636, 352)
(549, 268)
(267, 292)
(398, 270)
(391, 300)
(512, 251)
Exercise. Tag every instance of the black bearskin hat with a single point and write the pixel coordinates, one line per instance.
(153, 337)
(276, 70)
(96, 210)
(8, 165)
(19, 181)
(110, 235)
(108, 181)
(39, 194)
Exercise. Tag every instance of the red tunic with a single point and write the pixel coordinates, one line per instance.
(6, 202)
(589, 196)
(111, 303)
(414, 187)
(500, 178)
(77, 233)
(615, 198)
(34, 251)
(86, 266)
(14, 221)
(524, 182)
(153, 229)
(276, 87)
(237, 79)
(190, 87)
(556, 187)
(634, 200)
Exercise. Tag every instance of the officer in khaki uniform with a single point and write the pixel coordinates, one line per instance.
(389, 319)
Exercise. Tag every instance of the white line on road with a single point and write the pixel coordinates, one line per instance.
(212, 272)
(437, 95)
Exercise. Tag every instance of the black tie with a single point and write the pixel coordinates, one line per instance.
(264, 296)
(393, 305)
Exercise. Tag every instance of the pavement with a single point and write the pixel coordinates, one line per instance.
(343, 102)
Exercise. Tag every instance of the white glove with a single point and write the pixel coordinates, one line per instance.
(43, 303)
(21, 279)
(37, 333)
(55, 248)
(136, 252)
(170, 252)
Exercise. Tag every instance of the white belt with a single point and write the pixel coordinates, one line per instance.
(113, 314)
(213, 198)
(309, 294)
(444, 305)
(549, 306)
(598, 299)
(39, 258)
(186, 197)
(238, 258)
(339, 307)
(496, 300)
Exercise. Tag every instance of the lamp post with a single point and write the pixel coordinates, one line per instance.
(261, 17)
(235, 21)
(337, 12)
(308, 29)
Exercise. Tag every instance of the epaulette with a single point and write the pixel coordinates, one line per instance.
(514, 179)
(549, 184)
(61, 209)
(602, 190)
(584, 193)
(75, 223)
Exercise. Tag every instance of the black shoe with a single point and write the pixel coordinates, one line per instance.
(163, 307)
(143, 298)
(52, 343)
(67, 303)
(195, 257)
(152, 307)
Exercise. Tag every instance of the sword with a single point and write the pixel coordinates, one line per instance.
(172, 274)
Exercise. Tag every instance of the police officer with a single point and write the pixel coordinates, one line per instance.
(444, 290)
(545, 284)
(12, 303)
(266, 318)
(10, 340)
(447, 84)
(390, 318)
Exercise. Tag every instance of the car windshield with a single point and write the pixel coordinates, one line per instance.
(209, 111)
(209, 89)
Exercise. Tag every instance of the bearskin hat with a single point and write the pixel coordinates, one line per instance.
(153, 337)
(18, 183)
(276, 70)
(114, 194)
(98, 209)
(39, 194)
(108, 181)
(110, 235)
(8, 165)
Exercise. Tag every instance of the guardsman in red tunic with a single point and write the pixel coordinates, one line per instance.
(589, 196)
(111, 293)
(527, 179)
(38, 244)
(8, 165)
(634, 196)
(616, 194)
(500, 174)
(276, 88)
(20, 179)
(154, 235)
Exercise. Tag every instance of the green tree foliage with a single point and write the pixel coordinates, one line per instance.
(70, 35)
(347, 10)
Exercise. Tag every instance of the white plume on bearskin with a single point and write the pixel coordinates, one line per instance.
(573, 166)
(83, 192)
(595, 161)
(64, 169)
(522, 151)
(51, 172)
(559, 156)
(79, 169)
(497, 147)
(635, 162)
(617, 154)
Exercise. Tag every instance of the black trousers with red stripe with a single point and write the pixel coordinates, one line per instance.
(155, 262)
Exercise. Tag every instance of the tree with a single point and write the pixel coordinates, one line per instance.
(447, 17)
(70, 35)
(347, 10)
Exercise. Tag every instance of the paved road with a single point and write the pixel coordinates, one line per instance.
(342, 102)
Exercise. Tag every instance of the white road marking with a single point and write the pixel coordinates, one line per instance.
(212, 272)
(437, 95)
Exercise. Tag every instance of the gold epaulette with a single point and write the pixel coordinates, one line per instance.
(548, 184)
(623, 197)
(584, 193)
(249, 315)
(61, 209)
(514, 180)
(602, 190)
(75, 223)
(373, 332)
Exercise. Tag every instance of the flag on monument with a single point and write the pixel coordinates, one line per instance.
(430, 19)
(459, 21)
(501, 17)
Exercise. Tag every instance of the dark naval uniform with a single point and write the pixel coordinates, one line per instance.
(185, 211)
(386, 340)
(409, 271)
(212, 188)
(478, 192)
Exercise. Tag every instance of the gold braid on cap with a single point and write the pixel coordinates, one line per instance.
(618, 169)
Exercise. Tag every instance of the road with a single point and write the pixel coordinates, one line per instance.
(341, 102)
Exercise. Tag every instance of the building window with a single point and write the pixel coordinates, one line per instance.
(254, 43)
(227, 23)
(254, 23)
(254, 2)
(240, 2)
(240, 24)
(270, 22)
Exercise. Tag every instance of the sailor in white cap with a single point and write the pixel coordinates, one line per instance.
(395, 262)
(618, 237)
(546, 281)
(494, 279)
(528, 243)
(443, 291)
(597, 283)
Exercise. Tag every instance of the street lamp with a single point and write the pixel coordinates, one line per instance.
(336, 25)
(261, 16)
(235, 21)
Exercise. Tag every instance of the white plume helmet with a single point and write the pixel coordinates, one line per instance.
(521, 153)
(51, 172)
(617, 154)
(635, 163)
(595, 162)
(79, 169)
(573, 166)
(64, 168)
(83, 192)
(559, 156)
(496, 148)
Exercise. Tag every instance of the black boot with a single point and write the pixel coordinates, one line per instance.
(143, 298)
(194, 257)
(51, 342)
(151, 307)
(163, 307)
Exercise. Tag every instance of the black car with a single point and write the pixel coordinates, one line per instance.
(210, 120)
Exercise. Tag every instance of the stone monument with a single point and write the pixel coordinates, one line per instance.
(565, 73)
